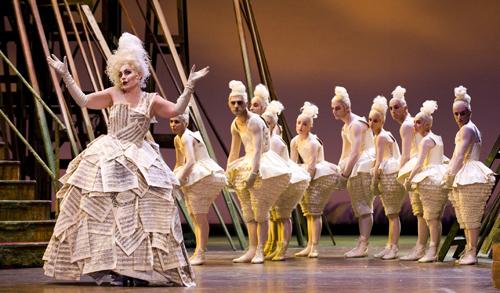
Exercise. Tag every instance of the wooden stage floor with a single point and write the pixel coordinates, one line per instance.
(330, 273)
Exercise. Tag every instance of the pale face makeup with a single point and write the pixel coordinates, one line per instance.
(129, 77)
(461, 113)
(237, 105)
(421, 124)
(339, 110)
(177, 125)
(375, 121)
(256, 106)
(398, 110)
(303, 125)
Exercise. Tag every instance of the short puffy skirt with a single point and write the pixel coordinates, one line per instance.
(273, 178)
(392, 192)
(292, 195)
(471, 189)
(326, 180)
(118, 216)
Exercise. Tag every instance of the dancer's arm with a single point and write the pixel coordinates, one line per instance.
(380, 145)
(356, 131)
(163, 108)
(457, 160)
(187, 142)
(234, 152)
(294, 154)
(311, 167)
(98, 100)
(407, 135)
(255, 128)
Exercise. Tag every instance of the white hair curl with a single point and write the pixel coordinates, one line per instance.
(310, 110)
(461, 95)
(273, 110)
(262, 94)
(380, 105)
(184, 117)
(429, 107)
(238, 89)
(130, 51)
(341, 95)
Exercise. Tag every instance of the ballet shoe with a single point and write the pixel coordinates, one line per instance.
(468, 258)
(245, 258)
(198, 258)
(392, 253)
(361, 250)
(430, 255)
(259, 256)
(314, 251)
(415, 254)
(304, 252)
(381, 253)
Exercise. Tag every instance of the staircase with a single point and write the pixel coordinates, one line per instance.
(25, 224)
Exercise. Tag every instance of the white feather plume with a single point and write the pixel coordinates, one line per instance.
(461, 94)
(399, 93)
(275, 108)
(341, 92)
(429, 107)
(310, 110)
(237, 88)
(261, 91)
(380, 104)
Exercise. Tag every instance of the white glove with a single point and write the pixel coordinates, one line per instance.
(62, 69)
(185, 97)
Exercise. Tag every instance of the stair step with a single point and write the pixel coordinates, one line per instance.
(9, 170)
(17, 189)
(22, 254)
(26, 231)
(24, 210)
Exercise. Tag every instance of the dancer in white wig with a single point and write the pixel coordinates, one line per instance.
(470, 180)
(258, 177)
(260, 99)
(385, 172)
(118, 215)
(200, 177)
(288, 200)
(325, 176)
(427, 175)
(356, 162)
(409, 152)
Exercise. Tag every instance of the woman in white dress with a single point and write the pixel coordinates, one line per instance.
(288, 200)
(385, 173)
(427, 175)
(325, 176)
(200, 177)
(118, 216)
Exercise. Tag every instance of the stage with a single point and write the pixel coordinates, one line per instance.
(331, 272)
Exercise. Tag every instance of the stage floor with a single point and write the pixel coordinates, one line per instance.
(331, 272)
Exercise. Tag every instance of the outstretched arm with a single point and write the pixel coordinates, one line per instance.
(97, 100)
(166, 109)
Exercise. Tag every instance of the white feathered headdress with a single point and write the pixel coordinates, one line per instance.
(238, 89)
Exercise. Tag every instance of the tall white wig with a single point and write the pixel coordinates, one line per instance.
(238, 89)
(428, 108)
(130, 51)
(342, 96)
(462, 96)
(309, 110)
(273, 110)
(380, 105)
(184, 117)
(262, 94)
(399, 94)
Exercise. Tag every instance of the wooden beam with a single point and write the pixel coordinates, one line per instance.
(243, 46)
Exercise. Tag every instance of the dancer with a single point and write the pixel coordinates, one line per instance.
(117, 214)
(427, 175)
(409, 151)
(258, 105)
(258, 177)
(385, 172)
(469, 179)
(201, 180)
(356, 162)
(325, 176)
(288, 200)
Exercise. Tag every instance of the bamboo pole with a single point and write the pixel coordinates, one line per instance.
(62, 103)
(197, 116)
(243, 46)
(30, 148)
(71, 62)
(84, 55)
(42, 121)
